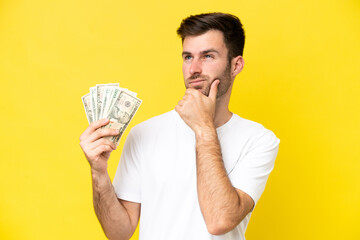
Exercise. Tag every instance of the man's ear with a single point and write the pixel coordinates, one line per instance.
(237, 64)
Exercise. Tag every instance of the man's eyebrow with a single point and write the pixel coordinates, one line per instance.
(210, 50)
(185, 53)
(202, 52)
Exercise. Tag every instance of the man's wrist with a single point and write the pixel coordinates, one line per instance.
(98, 168)
(205, 131)
(100, 179)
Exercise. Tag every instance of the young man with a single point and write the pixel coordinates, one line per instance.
(198, 170)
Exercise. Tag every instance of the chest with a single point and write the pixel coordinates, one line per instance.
(171, 156)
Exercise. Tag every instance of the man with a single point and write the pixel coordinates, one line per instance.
(196, 171)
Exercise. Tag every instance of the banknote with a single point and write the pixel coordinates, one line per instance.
(105, 101)
(132, 93)
(86, 99)
(112, 102)
(93, 102)
(100, 90)
(123, 110)
(113, 96)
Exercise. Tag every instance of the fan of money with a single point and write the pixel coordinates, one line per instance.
(112, 102)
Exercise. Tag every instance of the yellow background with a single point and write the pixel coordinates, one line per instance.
(301, 80)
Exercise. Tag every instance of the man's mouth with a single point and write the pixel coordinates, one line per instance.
(196, 83)
(196, 80)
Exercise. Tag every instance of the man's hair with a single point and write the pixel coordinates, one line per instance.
(229, 25)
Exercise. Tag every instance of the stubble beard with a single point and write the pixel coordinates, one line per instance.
(223, 87)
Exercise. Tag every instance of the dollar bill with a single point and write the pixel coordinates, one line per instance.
(120, 115)
(105, 101)
(132, 93)
(93, 102)
(113, 96)
(112, 102)
(100, 90)
(86, 99)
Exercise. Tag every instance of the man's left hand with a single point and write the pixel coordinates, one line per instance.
(198, 110)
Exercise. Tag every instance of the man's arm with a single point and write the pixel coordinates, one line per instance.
(118, 218)
(223, 206)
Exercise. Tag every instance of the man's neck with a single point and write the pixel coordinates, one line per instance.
(222, 113)
(222, 117)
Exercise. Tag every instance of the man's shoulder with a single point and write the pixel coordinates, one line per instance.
(247, 124)
(156, 122)
(248, 127)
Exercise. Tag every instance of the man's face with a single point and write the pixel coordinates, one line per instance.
(205, 59)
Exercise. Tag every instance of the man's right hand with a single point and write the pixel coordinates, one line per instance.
(118, 218)
(96, 148)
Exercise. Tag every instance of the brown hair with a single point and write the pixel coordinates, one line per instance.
(228, 24)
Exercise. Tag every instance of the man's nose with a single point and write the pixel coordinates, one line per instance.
(195, 66)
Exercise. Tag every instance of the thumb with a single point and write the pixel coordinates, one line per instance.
(214, 89)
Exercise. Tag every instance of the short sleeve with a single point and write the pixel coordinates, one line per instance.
(252, 171)
(127, 177)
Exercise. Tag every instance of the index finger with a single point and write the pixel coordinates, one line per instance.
(214, 89)
(93, 126)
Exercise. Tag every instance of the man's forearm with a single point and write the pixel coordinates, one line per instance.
(219, 201)
(112, 215)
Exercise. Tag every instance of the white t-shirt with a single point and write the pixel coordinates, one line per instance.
(158, 170)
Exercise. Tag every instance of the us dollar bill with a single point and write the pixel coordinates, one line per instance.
(93, 102)
(120, 115)
(105, 101)
(100, 90)
(132, 93)
(113, 96)
(86, 99)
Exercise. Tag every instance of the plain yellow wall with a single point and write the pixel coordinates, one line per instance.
(301, 80)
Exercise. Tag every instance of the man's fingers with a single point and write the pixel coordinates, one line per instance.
(102, 141)
(177, 109)
(190, 90)
(180, 103)
(92, 128)
(102, 148)
(214, 89)
(93, 150)
(102, 132)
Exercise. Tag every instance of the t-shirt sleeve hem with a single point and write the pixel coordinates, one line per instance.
(128, 197)
(253, 195)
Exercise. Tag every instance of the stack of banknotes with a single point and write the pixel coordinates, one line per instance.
(112, 102)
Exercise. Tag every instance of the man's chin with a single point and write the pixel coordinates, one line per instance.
(202, 90)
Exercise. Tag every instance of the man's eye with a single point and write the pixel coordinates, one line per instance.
(187, 57)
(208, 56)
